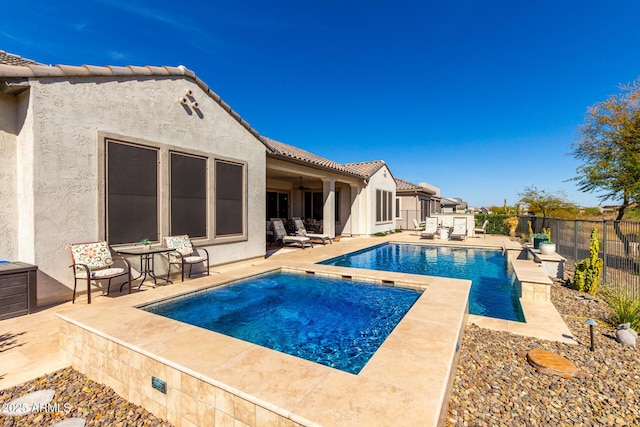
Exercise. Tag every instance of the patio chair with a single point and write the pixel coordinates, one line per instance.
(93, 261)
(459, 230)
(184, 253)
(430, 228)
(301, 231)
(281, 235)
(446, 222)
(483, 229)
(418, 226)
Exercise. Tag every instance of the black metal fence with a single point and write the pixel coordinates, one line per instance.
(619, 246)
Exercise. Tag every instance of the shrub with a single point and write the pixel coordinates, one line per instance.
(589, 269)
(623, 307)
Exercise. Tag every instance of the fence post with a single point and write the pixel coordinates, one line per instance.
(604, 251)
(575, 240)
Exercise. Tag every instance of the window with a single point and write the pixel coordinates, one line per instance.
(424, 209)
(336, 201)
(132, 193)
(397, 207)
(384, 206)
(313, 205)
(277, 205)
(230, 196)
(188, 194)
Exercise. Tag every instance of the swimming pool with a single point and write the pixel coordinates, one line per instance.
(336, 322)
(492, 292)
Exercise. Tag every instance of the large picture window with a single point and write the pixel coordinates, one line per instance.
(132, 193)
(188, 195)
(229, 203)
(384, 206)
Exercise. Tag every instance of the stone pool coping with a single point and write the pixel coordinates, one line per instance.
(212, 377)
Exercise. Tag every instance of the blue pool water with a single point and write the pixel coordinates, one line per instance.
(492, 293)
(339, 323)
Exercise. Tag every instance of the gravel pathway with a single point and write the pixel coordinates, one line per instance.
(494, 384)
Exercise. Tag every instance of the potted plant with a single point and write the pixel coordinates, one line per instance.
(146, 243)
(538, 238)
(547, 247)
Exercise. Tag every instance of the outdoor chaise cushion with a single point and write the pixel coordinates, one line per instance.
(94, 261)
(459, 228)
(301, 230)
(281, 234)
(430, 228)
(184, 253)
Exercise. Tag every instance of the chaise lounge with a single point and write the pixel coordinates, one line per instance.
(301, 231)
(280, 234)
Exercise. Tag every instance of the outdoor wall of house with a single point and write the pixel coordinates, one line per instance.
(60, 141)
(8, 176)
(381, 180)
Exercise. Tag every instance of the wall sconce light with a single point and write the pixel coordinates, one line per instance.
(591, 324)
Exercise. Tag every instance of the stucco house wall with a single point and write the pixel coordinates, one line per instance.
(56, 171)
(380, 180)
(8, 176)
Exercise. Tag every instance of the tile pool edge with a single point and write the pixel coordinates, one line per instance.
(124, 358)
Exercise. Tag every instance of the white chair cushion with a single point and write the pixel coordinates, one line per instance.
(193, 259)
(101, 274)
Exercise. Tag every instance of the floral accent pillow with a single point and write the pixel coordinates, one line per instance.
(181, 244)
(94, 255)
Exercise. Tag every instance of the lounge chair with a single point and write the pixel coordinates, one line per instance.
(430, 228)
(184, 253)
(418, 226)
(483, 229)
(301, 231)
(459, 230)
(93, 261)
(281, 235)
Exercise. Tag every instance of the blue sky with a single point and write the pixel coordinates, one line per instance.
(479, 98)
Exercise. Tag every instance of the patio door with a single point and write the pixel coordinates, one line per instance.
(277, 205)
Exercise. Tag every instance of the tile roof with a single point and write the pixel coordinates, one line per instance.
(289, 151)
(403, 185)
(32, 69)
(11, 59)
(366, 169)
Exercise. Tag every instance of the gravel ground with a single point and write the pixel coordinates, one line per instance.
(494, 384)
(77, 396)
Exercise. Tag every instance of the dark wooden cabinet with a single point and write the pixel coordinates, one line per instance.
(18, 289)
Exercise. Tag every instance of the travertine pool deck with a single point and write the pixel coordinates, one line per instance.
(308, 393)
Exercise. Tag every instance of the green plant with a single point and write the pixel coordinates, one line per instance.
(380, 234)
(547, 232)
(530, 228)
(145, 241)
(589, 269)
(623, 307)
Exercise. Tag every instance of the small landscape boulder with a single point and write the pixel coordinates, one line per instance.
(625, 335)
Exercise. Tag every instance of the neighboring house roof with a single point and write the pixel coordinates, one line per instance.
(11, 68)
(406, 186)
(280, 149)
(11, 59)
(366, 169)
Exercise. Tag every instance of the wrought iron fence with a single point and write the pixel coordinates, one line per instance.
(619, 246)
